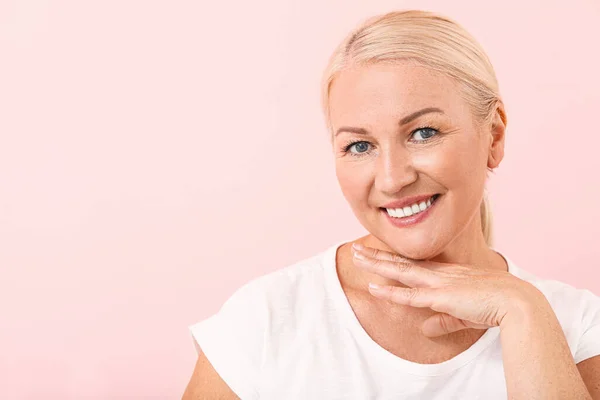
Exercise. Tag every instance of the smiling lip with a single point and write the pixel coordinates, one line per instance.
(407, 201)
(413, 219)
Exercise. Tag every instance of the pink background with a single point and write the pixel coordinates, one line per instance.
(156, 155)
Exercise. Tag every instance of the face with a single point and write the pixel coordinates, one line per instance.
(404, 130)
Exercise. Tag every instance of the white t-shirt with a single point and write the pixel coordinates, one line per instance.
(292, 334)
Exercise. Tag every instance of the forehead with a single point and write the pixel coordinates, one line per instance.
(363, 94)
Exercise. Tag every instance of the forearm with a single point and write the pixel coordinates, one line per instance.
(537, 361)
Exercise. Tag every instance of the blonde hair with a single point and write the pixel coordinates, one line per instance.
(431, 40)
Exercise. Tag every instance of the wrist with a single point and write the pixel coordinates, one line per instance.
(528, 303)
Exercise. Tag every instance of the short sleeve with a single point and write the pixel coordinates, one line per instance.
(589, 341)
(233, 340)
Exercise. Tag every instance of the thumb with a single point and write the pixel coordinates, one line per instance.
(443, 324)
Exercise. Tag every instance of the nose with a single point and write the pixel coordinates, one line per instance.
(394, 170)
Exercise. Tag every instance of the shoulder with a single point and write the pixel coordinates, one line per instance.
(577, 310)
(236, 338)
(266, 294)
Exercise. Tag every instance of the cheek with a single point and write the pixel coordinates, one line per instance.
(354, 182)
(454, 164)
(470, 165)
(440, 165)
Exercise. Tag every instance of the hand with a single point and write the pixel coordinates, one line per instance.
(464, 296)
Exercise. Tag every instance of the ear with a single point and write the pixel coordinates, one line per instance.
(497, 131)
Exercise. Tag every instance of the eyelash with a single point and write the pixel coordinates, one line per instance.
(349, 145)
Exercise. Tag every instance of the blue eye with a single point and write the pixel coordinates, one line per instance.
(361, 146)
(426, 133)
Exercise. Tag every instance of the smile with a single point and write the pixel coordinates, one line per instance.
(412, 214)
(412, 209)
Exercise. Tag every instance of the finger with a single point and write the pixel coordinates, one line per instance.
(381, 254)
(404, 272)
(394, 257)
(442, 324)
(415, 297)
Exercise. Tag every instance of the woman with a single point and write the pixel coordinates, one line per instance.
(422, 307)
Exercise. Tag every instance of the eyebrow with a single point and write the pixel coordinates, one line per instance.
(403, 121)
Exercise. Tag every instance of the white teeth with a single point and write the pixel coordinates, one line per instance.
(409, 210)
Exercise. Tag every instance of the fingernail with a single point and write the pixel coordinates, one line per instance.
(358, 246)
(374, 286)
(359, 256)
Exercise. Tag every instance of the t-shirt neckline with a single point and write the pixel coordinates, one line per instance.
(393, 361)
